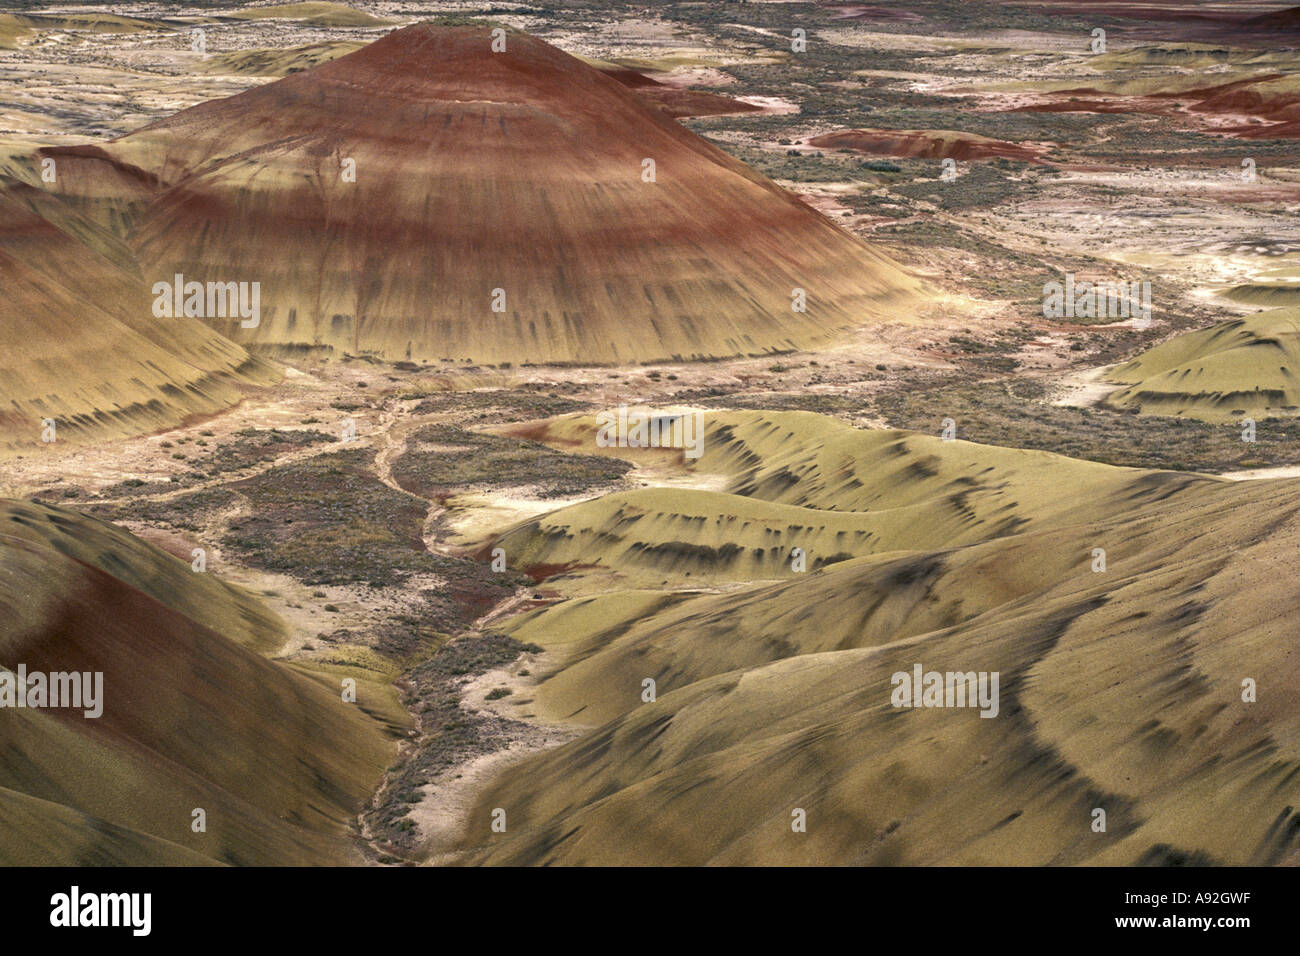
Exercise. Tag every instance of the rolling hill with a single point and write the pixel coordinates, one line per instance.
(1242, 368)
(1121, 685)
(801, 480)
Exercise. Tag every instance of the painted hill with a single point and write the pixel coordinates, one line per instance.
(317, 13)
(1288, 19)
(676, 101)
(1120, 687)
(1265, 92)
(801, 480)
(278, 62)
(84, 347)
(476, 171)
(17, 27)
(1266, 295)
(193, 716)
(1243, 368)
(926, 144)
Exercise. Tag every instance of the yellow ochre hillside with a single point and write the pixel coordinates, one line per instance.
(1247, 367)
(1108, 601)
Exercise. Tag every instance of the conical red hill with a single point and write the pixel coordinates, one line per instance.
(519, 171)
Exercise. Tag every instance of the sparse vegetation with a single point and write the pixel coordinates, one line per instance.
(440, 458)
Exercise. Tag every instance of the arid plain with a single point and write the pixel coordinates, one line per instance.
(372, 573)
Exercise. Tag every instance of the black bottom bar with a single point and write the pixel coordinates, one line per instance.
(333, 906)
